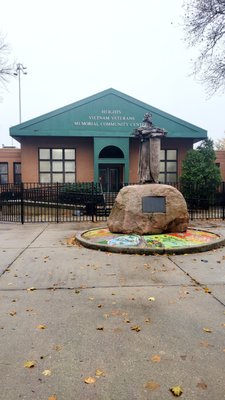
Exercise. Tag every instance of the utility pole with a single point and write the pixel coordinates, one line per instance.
(20, 69)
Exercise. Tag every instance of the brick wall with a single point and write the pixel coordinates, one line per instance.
(10, 155)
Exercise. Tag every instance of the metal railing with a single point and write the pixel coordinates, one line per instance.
(34, 202)
(85, 201)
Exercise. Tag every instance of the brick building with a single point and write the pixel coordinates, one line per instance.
(10, 165)
(92, 139)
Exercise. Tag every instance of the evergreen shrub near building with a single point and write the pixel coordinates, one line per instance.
(200, 178)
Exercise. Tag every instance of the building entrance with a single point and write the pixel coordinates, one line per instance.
(111, 177)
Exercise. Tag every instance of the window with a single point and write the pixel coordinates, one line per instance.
(17, 172)
(3, 172)
(168, 166)
(111, 152)
(57, 165)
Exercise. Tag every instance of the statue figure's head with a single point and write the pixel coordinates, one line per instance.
(148, 118)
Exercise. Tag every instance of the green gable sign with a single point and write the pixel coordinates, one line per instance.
(109, 113)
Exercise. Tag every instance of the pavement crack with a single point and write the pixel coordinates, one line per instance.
(196, 282)
(53, 288)
(22, 251)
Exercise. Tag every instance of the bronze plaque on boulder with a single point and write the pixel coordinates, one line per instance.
(153, 204)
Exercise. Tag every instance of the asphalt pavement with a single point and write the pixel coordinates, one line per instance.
(81, 324)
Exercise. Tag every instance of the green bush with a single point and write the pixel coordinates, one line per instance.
(81, 187)
(200, 176)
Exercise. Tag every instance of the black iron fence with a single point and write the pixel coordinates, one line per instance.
(35, 202)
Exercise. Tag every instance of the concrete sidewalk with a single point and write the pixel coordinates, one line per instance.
(144, 323)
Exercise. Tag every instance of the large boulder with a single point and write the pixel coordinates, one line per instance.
(132, 210)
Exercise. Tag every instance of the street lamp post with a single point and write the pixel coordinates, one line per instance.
(20, 69)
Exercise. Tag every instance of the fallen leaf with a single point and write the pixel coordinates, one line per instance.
(114, 313)
(147, 320)
(207, 330)
(151, 298)
(52, 397)
(100, 328)
(71, 241)
(46, 372)
(136, 328)
(12, 313)
(99, 372)
(176, 390)
(42, 357)
(91, 298)
(201, 385)
(29, 364)
(57, 347)
(156, 358)
(77, 291)
(151, 385)
(90, 380)
(127, 320)
(31, 289)
(207, 290)
(41, 327)
(100, 306)
(206, 344)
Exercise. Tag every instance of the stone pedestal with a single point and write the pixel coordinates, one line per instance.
(136, 210)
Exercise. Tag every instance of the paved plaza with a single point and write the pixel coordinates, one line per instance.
(81, 324)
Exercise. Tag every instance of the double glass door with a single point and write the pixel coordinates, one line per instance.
(111, 177)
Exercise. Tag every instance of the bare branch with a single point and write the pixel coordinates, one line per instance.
(219, 144)
(6, 68)
(204, 24)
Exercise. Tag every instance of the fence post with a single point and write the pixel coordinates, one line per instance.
(92, 206)
(22, 202)
(57, 202)
(223, 201)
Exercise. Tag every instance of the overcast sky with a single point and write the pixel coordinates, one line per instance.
(76, 48)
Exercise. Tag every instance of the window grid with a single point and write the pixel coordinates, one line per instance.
(57, 165)
(3, 172)
(17, 172)
(168, 166)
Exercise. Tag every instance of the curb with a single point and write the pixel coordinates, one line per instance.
(152, 251)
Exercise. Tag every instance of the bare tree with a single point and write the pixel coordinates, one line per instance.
(219, 144)
(7, 69)
(204, 23)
